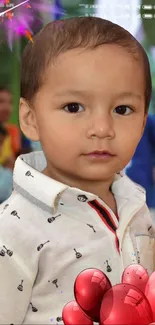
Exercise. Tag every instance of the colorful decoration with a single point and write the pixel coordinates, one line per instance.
(136, 275)
(132, 302)
(150, 292)
(89, 288)
(73, 314)
(17, 18)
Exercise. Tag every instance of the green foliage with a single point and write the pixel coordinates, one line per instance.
(77, 7)
(148, 24)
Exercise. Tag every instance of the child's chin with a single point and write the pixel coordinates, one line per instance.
(97, 175)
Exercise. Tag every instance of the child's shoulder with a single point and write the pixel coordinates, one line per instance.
(18, 220)
(14, 202)
(143, 223)
(19, 238)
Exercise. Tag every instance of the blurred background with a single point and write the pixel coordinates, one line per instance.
(19, 21)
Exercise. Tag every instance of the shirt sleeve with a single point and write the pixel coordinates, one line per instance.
(17, 272)
(15, 289)
(151, 231)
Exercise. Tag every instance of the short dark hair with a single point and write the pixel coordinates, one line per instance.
(77, 32)
(3, 131)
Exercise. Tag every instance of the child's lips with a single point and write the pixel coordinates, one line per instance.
(104, 155)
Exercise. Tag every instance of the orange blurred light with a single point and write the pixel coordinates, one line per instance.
(28, 35)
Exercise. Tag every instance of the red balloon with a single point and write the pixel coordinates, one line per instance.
(124, 304)
(89, 288)
(150, 292)
(72, 314)
(136, 275)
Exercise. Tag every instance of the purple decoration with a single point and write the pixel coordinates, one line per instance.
(25, 17)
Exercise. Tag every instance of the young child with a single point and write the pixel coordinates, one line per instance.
(85, 93)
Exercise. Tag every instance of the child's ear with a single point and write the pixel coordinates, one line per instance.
(27, 119)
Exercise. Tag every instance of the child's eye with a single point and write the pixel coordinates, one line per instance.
(73, 108)
(123, 110)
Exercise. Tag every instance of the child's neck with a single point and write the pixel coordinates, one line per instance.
(99, 188)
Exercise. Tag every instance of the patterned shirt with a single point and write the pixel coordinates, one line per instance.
(50, 232)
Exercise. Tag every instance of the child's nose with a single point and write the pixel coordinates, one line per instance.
(101, 127)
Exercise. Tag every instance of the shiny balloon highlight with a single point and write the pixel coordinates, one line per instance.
(132, 302)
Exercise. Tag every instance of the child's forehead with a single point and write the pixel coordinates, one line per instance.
(102, 57)
(113, 47)
(98, 67)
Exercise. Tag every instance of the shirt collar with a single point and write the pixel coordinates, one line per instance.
(39, 188)
(45, 191)
(124, 187)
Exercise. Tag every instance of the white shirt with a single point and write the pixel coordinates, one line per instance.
(50, 232)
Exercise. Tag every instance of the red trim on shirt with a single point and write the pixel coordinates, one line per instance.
(106, 217)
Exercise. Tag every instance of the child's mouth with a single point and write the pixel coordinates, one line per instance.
(104, 155)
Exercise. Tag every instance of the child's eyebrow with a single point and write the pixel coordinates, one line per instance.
(85, 93)
(129, 94)
(71, 92)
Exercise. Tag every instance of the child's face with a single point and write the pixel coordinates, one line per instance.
(99, 81)
(5, 106)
